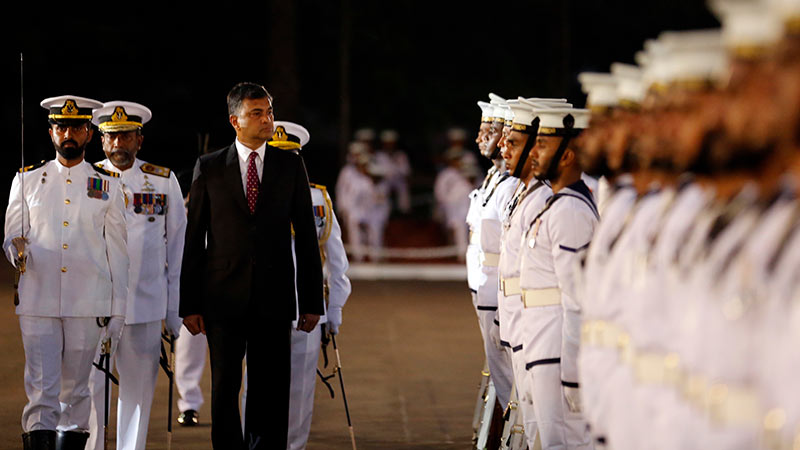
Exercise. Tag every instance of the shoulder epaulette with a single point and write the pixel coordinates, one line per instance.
(153, 169)
(317, 186)
(99, 169)
(32, 166)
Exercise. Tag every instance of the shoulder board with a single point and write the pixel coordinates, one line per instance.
(317, 186)
(153, 169)
(99, 169)
(32, 166)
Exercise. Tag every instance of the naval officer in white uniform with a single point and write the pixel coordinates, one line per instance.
(65, 223)
(156, 222)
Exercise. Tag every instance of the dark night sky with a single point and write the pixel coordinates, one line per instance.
(418, 67)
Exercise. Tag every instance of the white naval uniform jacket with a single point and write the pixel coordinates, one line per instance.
(475, 277)
(335, 264)
(552, 248)
(156, 222)
(77, 264)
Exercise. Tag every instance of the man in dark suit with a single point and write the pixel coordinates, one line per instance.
(238, 276)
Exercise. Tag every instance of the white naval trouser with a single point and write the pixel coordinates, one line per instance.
(136, 358)
(305, 355)
(559, 429)
(499, 362)
(58, 360)
(190, 361)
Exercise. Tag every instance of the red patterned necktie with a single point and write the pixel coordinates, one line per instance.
(252, 182)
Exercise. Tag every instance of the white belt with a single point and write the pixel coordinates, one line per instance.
(510, 286)
(490, 259)
(541, 297)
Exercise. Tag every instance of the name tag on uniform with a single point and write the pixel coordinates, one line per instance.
(97, 188)
(150, 204)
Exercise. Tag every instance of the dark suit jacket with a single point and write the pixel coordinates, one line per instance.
(246, 265)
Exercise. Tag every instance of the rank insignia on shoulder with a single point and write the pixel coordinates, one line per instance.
(32, 167)
(99, 169)
(155, 170)
(97, 188)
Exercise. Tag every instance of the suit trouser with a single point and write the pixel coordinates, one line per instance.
(58, 359)
(305, 355)
(266, 342)
(190, 360)
(136, 358)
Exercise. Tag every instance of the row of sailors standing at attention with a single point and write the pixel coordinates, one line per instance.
(661, 310)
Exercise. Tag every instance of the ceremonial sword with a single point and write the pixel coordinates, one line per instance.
(19, 268)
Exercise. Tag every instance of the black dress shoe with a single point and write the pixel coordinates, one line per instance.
(189, 418)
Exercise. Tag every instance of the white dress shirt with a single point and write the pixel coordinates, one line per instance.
(244, 153)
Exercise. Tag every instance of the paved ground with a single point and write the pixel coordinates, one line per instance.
(411, 354)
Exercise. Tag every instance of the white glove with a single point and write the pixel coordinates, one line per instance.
(113, 331)
(573, 397)
(173, 323)
(334, 319)
(494, 333)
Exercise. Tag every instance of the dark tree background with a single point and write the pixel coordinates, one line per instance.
(415, 66)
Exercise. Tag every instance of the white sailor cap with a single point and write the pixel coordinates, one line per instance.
(524, 116)
(561, 121)
(499, 112)
(69, 109)
(364, 134)
(486, 111)
(748, 29)
(600, 90)
(495, 99)
(694, 57)
(630, 88)
(119, 116)
(289, 136)
(543, 100)
(509, 112)
(388, 136)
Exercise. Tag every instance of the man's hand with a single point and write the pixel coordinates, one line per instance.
(307, 322)
(194, 323)
(173, 323)
(573, 397)
(334, 319)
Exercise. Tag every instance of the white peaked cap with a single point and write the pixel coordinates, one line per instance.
(523, 117)
(289, 135)
(118, 116)
(495, 99)
(601, 89)
(538, 105)
(629, 82)
(551, 120)
(510, 111)
(747, 26)
(486, 111)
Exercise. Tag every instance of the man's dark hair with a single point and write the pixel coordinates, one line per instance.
(242, 91)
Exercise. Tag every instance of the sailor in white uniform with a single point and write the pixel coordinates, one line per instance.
(65, 226)
(553, 243)
(156, 222)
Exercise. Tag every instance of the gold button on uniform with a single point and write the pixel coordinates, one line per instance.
(69, 181)
(65, 246)
(66, 201)
(66, 224)
(63, 269)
